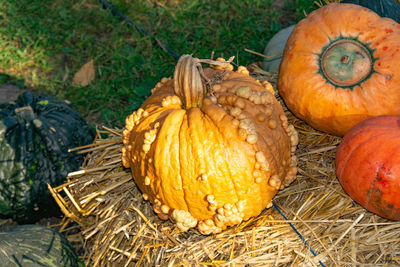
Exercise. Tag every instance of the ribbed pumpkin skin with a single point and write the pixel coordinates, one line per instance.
(330, 107)
(35, 134)
(201, 166)
(368, 165)
(36, 245)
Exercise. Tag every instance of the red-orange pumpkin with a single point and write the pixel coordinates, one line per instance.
(368, 165)
(341, 65)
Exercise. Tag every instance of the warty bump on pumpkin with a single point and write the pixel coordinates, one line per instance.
(210, 148)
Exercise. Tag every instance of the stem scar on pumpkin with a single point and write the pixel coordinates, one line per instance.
(346, 62)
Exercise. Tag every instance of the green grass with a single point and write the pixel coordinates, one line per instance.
(43, 43)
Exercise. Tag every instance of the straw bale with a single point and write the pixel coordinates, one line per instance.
(313, 221)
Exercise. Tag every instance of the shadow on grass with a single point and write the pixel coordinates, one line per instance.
(10, 88)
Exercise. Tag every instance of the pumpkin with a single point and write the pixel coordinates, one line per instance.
(274, 49)
(210, 147)
(36, 132)
(36, 245)
(340, 66)
(368, 165)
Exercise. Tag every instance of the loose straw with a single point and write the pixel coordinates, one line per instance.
(298, 233)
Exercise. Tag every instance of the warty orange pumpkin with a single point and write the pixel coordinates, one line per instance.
(210, 148)
(341, 66)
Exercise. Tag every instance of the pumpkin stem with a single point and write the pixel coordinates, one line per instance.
(190, 83)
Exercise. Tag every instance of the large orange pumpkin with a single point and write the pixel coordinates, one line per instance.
(368, 165)
(341, 65)
(210, 148)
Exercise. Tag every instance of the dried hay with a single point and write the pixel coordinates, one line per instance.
(319, 225)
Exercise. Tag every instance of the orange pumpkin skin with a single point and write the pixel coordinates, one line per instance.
(210, 162)
(341, 66)
(368, 165)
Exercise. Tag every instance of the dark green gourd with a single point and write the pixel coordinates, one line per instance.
(35, 134)
(35, 245)
(384, 8)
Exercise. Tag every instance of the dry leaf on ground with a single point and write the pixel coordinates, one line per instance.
(85, 75)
